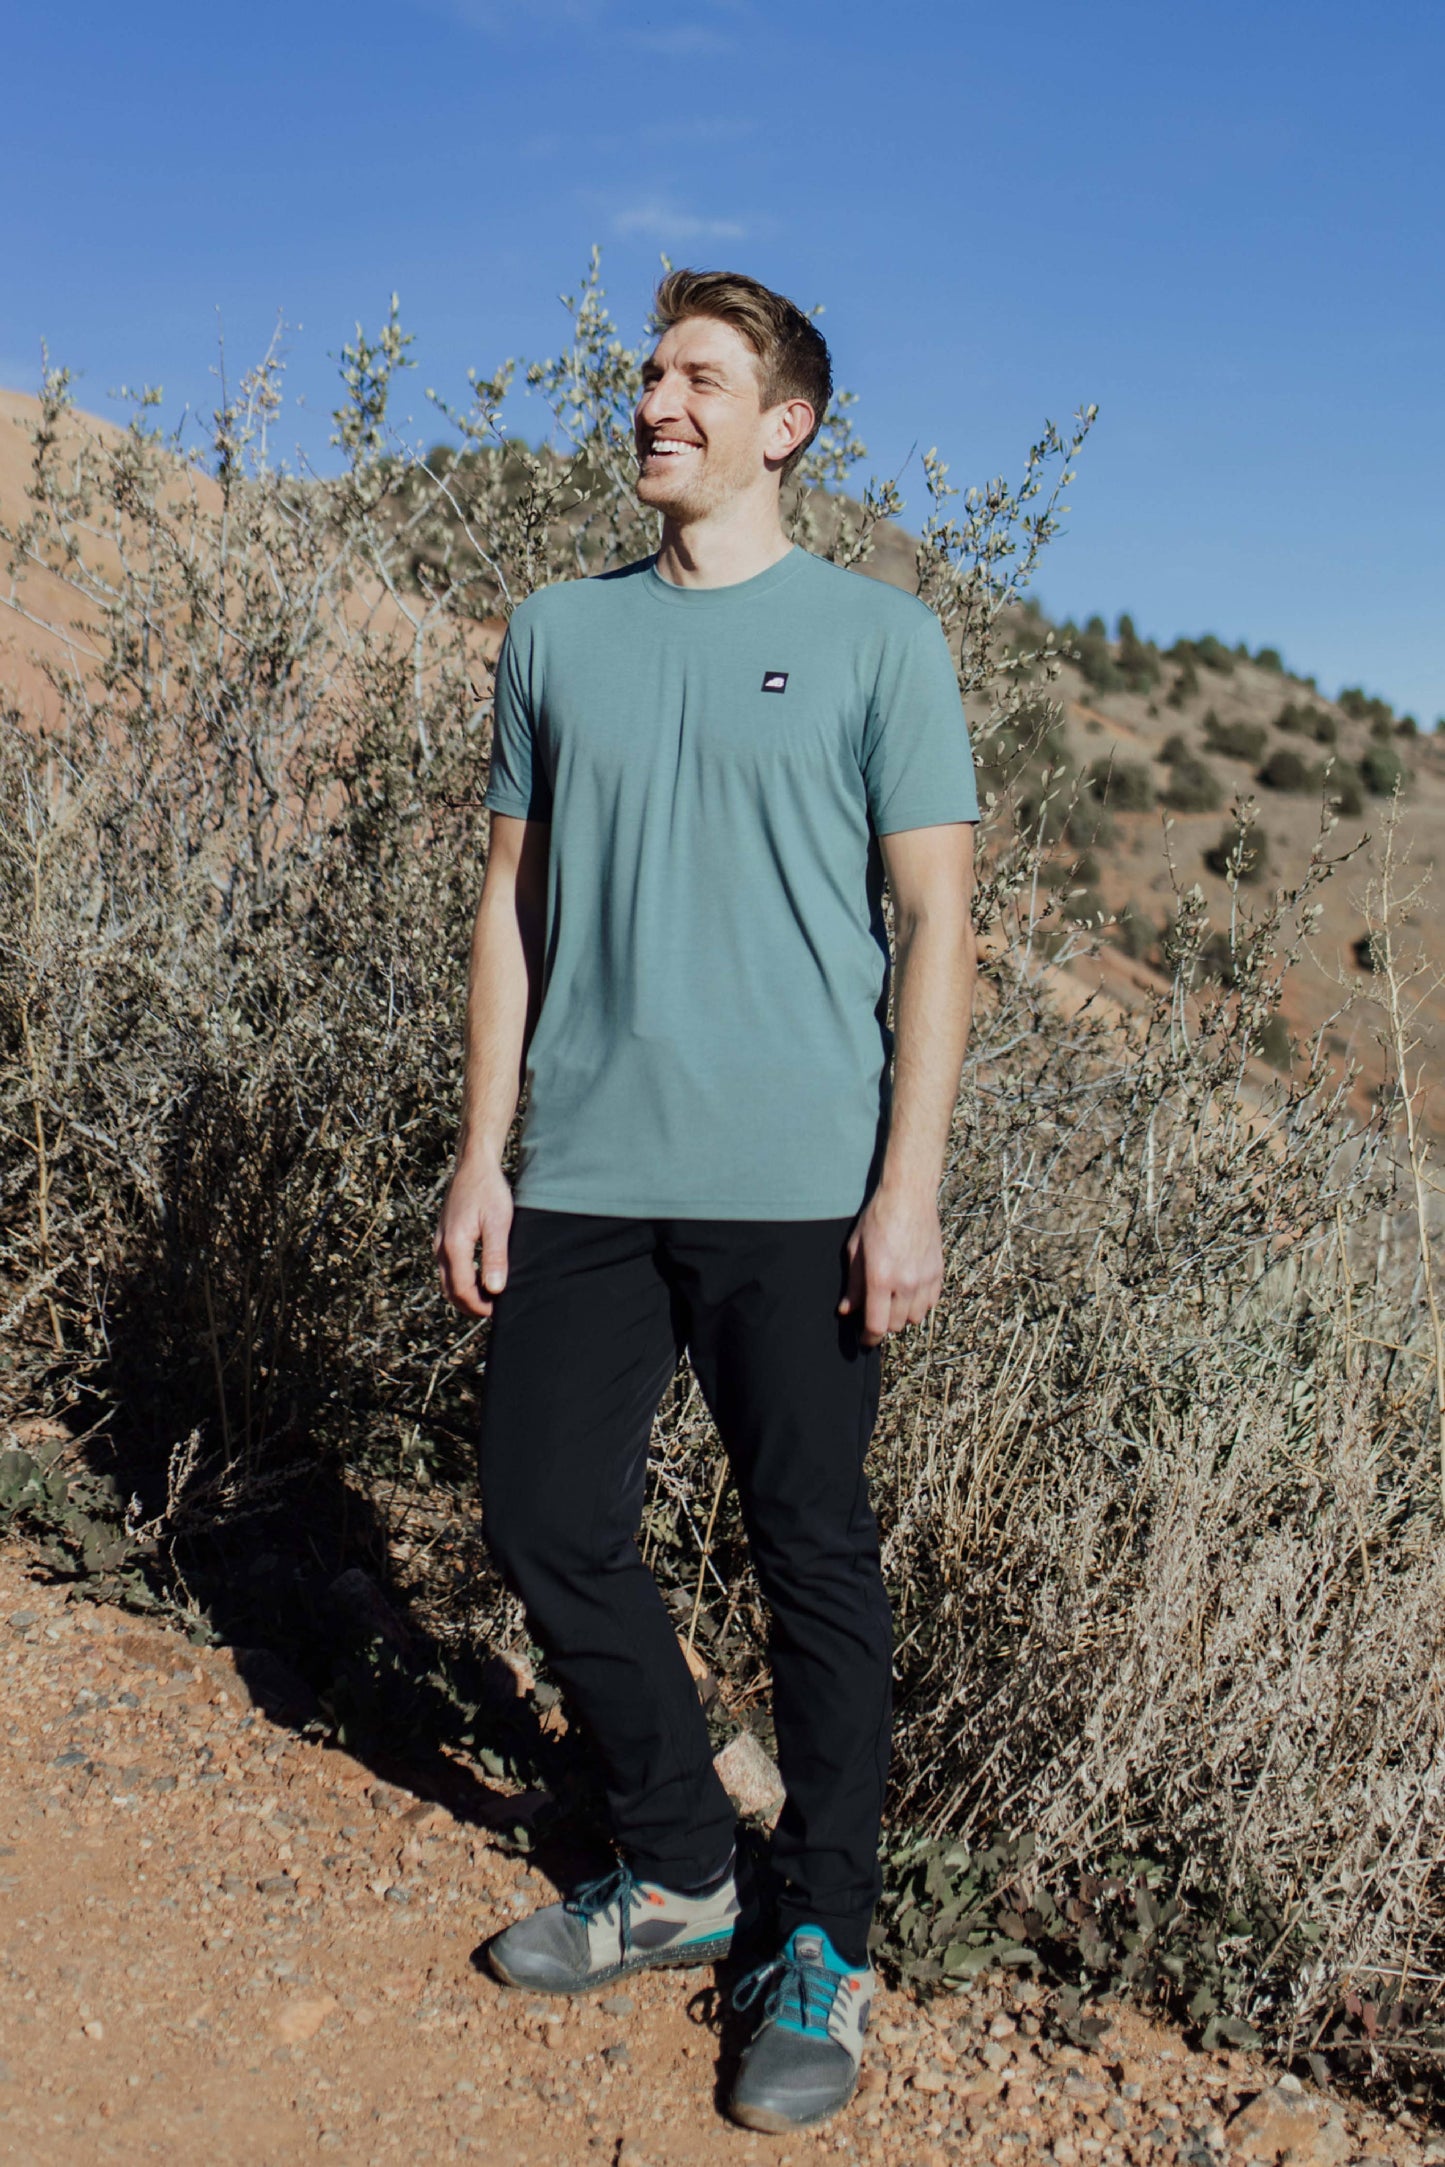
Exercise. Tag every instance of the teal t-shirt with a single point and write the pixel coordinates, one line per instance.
(717, 764)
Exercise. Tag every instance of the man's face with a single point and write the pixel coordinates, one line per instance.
(702, 434)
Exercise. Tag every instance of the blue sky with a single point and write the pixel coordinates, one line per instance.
(1221, 222)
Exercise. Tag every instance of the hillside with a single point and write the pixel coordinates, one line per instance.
(1215, 726)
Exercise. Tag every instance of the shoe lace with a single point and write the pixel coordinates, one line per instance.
(798, 1991)
(591, 1899)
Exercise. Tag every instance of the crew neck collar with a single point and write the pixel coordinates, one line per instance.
(738, 590)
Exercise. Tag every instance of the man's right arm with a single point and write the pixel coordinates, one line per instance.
(504, 993)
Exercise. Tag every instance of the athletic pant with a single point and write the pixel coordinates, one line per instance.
(585, 1338)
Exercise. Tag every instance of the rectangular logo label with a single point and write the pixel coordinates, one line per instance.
(775, 680)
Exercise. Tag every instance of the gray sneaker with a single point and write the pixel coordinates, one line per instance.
(610, 1926)
(801, 2065)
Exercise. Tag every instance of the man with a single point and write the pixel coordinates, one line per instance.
(703, 766)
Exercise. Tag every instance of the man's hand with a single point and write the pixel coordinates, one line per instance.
(895, 1262)
(477, 1214)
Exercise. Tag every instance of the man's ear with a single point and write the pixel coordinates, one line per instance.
(791, 423)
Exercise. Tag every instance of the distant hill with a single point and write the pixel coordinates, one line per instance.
(1188, 731)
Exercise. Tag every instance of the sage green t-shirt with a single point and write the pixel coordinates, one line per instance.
(717, 764)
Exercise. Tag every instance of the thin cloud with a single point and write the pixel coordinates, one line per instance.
(659, 221)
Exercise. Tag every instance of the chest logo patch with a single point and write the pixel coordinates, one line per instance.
(775, 680)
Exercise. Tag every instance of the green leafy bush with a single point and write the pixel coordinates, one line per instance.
(1236, 740)
(1272, 1042)
(1361, 706)
(1269, 658)
(1084, 905)
(1139, 663)
(1193, 786)
(1125, 786)
(1343, 791)
(1088, 824)
(1297, 720)
(1240, 851)
(1095, 658)
(1381, 770)
(1135, 932)
(1185, 686)
(1286, 770)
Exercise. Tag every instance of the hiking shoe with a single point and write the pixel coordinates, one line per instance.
(802, 2062)
(610, 1926)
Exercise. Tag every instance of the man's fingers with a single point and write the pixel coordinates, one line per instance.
(494, 1256)
(458, 1262)
(853, 1297)
(877, 1313)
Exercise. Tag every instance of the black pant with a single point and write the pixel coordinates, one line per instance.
(585, 1337)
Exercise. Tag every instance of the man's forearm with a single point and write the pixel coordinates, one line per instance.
(935, 975)
(503, 998)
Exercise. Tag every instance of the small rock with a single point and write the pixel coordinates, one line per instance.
(617, 2005)
(750, 1779)
(1002, 2028)
(22, 1620)
(616, 2056)
(1278, 2121)
(508, 1677)
(302, 2020)
(276, 1885)
(94, 2029)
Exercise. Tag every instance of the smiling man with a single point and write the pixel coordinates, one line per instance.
(704, 767)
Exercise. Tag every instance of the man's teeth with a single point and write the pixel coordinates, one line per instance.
(670, 444)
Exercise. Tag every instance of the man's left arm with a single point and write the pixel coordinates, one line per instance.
(895, 1251)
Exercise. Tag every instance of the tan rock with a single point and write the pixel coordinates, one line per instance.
(750, 1779)
(1277, 2123)
(302, 2020)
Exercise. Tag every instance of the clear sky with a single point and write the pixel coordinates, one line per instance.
(1222, 222)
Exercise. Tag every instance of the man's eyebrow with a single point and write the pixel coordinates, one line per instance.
(693, 368)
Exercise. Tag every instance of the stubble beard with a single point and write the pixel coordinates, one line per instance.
(683, 503)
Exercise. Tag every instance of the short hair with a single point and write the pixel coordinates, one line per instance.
(793, 360)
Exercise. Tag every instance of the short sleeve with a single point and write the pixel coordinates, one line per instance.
(518, 782)
(917, 760)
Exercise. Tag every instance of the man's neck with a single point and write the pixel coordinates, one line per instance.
(720, 551)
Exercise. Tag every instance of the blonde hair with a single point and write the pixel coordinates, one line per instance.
(793, 361)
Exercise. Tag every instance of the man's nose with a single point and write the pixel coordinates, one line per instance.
(658, 403)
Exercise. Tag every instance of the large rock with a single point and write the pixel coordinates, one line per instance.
(1278, 2124)
(750, 1779)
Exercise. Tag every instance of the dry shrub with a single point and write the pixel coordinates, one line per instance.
(1161, 1515)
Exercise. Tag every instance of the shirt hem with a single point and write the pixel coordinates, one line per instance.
(770, 1207)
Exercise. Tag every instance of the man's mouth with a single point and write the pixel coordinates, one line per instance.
(669, 447)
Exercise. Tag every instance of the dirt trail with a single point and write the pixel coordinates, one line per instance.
(222, 1941)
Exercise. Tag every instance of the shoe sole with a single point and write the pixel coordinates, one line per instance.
(772, 2123)
(695, 1953)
